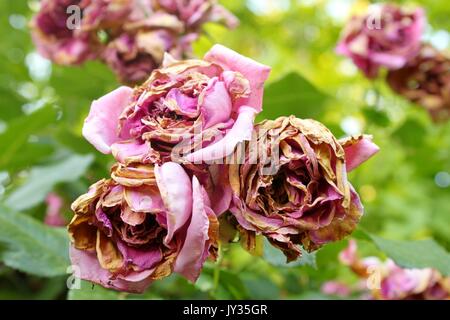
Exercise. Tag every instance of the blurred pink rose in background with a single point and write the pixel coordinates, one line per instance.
(53, 215)
(130, 36)
(387, 36)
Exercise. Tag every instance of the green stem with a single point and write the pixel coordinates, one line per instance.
(216, 275)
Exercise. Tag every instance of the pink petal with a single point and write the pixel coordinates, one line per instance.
(129, 150)
(220, 192)
(131, 217)
(176, 193)
(195, 249)
(216, 106)
(349, 255)
(255, 72)
(142, 258)
(391, 61)
(86, 267)
(144, 199)
(241, 131)
(360, 151)
(101, 126)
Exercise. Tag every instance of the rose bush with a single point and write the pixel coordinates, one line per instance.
(141, 225)
(296, 191)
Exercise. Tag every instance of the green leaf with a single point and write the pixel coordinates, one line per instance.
(377, 117)
(230, 287)
(261, 288)
(18, 132)
(275, 257)
(293, 94)
(32, 247)
(415, 254)
(411, 133)
(42, 179)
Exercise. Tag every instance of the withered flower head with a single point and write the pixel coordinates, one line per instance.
(130, 36)
(386, 36)
(425, 81)
(141, 225)
(396, 283)
(204, 108)
(297, 191)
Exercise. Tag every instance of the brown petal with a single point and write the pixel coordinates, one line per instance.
(108, 254)
(82, 233)
(86, 202)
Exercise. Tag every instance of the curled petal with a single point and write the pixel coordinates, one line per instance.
(255, 72)
(176, 192)
(144, 199)
(101, 126)
(358, 150)
(90, 269)
(195, 249)
(216, 106)
(129, 151)
(241, 131)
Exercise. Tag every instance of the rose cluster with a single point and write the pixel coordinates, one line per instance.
(384, 280)
(187, 152)
(390, 36)
(130, 36)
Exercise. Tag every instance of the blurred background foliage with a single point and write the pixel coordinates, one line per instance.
(405, 188)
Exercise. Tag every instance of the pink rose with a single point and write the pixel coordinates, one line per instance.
(54, 40)
(387, 36)
(396, 283)
(141, 225)
(204, 108)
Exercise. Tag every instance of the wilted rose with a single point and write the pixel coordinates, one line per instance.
(425, 80)
(386, 36)
(394, 282)
(195, 13)
(191, 110)
(297, 191)
(55, 40)
(140, 49)
(142, 225)
(130, 36)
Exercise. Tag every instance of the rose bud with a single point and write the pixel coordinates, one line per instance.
(204, 108)
(55, 40)
(296, 190)
(386, 36)
(141, 225)
(425, 80)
